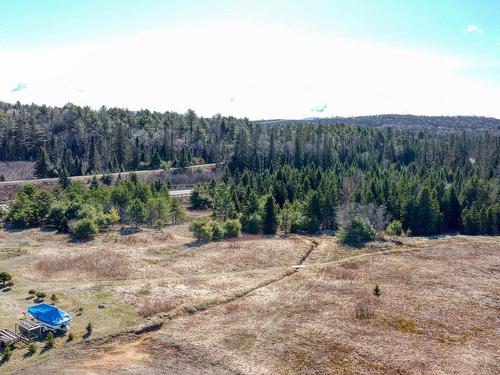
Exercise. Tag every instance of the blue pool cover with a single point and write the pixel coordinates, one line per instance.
(49, 314)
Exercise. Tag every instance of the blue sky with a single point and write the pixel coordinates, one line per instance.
(255, 58)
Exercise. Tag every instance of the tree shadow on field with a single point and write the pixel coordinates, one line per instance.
(442, 235)
(83, 241)
(128, 231)
(196, 244)
(11, 228)
(48, 229)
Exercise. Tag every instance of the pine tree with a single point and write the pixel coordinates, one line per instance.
(223, 205)
(92, 164)
(298, 156)
(454, 213)
(42, 165)
(270, 221)
(427, 217)
(313, 211)
(64, 180)
(155, 160)
(120, 147)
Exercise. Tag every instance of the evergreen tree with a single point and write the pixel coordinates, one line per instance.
(121, 146)
(223, 204)
(454, 212)
(270, 221)
(64, 180)
(42, 165)
(137, 212)
(427, 213)
(155, 160)
(312, 212)
(92, 163)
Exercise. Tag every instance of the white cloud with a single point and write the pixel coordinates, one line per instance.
(474, 29)
(273, 72)
(20, 86)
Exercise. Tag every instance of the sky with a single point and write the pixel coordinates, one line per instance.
(257, 59)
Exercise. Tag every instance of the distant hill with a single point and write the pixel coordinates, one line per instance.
(403, 121)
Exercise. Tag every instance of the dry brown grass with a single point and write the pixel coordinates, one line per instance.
(437, 314)
(101, 266)
(150, 307)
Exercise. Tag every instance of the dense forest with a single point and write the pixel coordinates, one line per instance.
(302, 176)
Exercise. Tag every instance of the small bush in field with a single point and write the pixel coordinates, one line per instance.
(7, 352)
(377, 291)
(394, 228)
(89, 328)
(356, 231)
(53, 298)
(218, 232)
(50, 340)
(32, 348)
(201, 230)
(71, 336)
(85, 229)
(232, 228)
(252, 223)
(5, 277)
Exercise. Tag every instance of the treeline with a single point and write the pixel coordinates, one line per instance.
(82, 141)
(421, 201)
(79, 140)
(412, 122)
(85, 211)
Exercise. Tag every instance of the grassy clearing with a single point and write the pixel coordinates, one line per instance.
(238, 306)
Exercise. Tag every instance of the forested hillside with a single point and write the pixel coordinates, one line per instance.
(84, 141)
(429, 181)
(435, 123)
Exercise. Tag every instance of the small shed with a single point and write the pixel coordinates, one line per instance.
(29, 330)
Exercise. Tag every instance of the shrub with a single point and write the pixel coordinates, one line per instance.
(85, 229)
(50, 340)
(252, 223)
(200, 198)
(101, 220)
(218, 231)
(377, 291)
(71, 336)
(394, 228)
(30, 206)
(160, 224)
(7, 352)
(32, 292)
(89, 328)
(137, 211)
(201, 230)
(53, 298)
(32, 348)
(57, 217)
(232, 228)
(5, 277)
(107, 179)
(356, 231)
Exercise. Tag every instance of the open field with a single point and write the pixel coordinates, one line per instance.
(240, 307)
